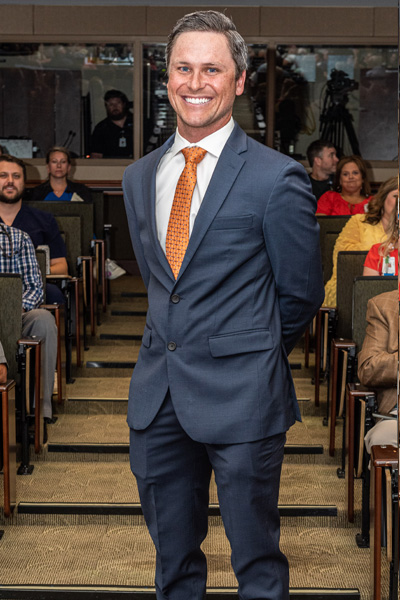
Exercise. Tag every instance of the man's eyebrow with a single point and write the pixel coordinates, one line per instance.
(186, 63)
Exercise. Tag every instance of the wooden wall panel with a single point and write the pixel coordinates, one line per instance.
(307, 21)
(83, 20)
(161, 20)
(16, 19)
(386, 21)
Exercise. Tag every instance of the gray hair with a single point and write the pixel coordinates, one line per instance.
(216, 22)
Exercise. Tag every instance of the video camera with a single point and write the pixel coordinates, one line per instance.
(340, 83)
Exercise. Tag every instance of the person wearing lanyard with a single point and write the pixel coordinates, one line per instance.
(113, 136)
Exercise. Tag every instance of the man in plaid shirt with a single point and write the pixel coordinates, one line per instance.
(17, 255)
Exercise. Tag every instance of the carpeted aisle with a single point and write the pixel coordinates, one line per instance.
(78, 518)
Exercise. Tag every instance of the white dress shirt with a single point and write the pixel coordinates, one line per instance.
(170, 168)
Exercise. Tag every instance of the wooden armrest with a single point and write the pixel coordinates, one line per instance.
(384, 456)
(8, 385)
(57, 277)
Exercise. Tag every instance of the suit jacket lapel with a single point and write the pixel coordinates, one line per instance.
(228, 168)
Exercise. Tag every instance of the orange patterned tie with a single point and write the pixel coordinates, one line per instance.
(178, 226)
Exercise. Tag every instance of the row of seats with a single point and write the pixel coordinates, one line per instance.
(339, 335)
(85, 292)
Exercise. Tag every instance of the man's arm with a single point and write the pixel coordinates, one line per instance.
(32, 284)
(58, 251)
(377, 362)
(127, 185)
(291, 235)
(58, 266)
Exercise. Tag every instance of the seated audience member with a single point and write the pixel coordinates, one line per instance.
(58, 186)
(377, 364)
(3, 365)
(39, 225)
(17, 255)
(383, 259)
(322, 157)
(363, 231)
(113, 136)
(353, 191)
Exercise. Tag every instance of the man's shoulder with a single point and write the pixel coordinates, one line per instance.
(149, 161)
(103, 124)
(261, 152)
(19, 236)
(40, 216)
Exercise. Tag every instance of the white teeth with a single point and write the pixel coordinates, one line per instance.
(197, 100)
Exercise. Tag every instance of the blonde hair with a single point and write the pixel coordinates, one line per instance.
(392, 239)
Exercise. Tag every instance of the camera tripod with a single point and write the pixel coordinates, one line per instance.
(336, 121)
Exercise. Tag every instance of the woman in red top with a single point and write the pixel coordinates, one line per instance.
(383, 259)
(353, 189)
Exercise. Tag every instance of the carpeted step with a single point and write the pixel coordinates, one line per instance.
(116, 555)
(109, 488)
(97, 592)
(93, 430)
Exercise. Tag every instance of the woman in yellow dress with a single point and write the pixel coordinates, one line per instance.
(363, 231)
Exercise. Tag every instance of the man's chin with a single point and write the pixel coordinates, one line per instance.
(12, 200)
(117, 117)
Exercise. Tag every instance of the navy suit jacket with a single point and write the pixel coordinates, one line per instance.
(251, 281)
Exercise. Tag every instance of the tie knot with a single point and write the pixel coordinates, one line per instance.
(194, 154)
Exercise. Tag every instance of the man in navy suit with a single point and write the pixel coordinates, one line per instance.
(212, 388)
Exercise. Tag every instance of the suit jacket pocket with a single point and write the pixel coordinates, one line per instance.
(239, 222)
(240, 342)
(146, 339)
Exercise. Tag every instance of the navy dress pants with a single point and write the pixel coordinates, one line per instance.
(173, 475)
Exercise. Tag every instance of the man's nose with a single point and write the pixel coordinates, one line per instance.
(196, 81)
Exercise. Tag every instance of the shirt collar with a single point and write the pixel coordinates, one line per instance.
(214, 143)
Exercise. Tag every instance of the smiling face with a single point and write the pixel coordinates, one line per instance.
(12, 182)
(202, 86)
(58, 165)
(351, 179)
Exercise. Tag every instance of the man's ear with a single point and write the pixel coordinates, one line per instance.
(317, 161)
(240, 84)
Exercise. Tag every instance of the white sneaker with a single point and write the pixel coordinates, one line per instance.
(113, 270)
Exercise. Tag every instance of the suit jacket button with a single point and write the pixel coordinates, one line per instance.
(175, 298)
(171, 346)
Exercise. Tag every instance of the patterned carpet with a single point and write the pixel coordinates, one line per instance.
(115, 550)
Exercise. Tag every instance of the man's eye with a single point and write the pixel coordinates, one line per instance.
(184, 69)
(212, 70)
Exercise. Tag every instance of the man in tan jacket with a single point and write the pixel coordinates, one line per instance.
(378, 363)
